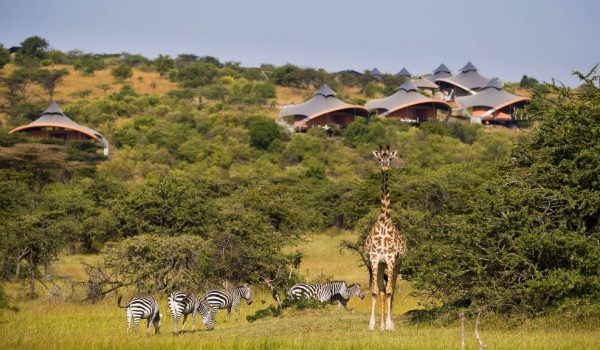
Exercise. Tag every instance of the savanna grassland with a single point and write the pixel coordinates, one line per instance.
(41, 324)
(203, 187)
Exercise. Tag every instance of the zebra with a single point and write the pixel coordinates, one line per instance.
(353, 290)
(301, 289)
(220, 299)
(143, 307)
(321, 291)
(184, 303)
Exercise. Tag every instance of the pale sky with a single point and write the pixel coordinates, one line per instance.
(543, 39)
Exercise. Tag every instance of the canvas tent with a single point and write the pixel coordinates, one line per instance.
(323, 109)
(54, 123)
(375, 72)
(404, 73)
(408, 105)
(467, 82)
(492, 103)
(440, 72)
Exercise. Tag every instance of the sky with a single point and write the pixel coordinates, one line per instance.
(545, 39)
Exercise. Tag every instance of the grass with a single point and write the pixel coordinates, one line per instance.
(45, 325)
(75, 81)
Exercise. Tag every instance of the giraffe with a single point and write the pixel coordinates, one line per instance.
(385, 247)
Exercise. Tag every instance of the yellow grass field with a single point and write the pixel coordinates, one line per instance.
(142, 82)
(41, 324)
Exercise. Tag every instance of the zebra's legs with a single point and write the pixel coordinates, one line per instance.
(184, 320)
(148, 327)
(237, 312)
(136, 321)
(228, 313)
(194, 320)
(128, 322)
(175, 322)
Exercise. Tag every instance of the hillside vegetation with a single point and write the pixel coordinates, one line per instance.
(204, 188)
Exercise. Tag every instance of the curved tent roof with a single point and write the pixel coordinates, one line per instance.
(491, 96)
(440, 72)
(406, 96)
(423, 83)
(53, 116)
(404, 73)
(322, 102)
(467, 79)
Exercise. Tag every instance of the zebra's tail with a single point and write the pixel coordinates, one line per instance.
(119, 302)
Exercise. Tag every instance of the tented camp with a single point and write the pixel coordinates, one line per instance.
(408, 105)
(53, 123)
(323, 109)
(440, 72)
(467, 82)
(491, 104)
(420, 83)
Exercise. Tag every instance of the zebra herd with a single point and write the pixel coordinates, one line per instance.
(183, 303)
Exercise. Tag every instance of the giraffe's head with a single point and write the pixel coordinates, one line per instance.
(384, 157)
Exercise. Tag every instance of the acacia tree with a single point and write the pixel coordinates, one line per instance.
(27, 223)
(49, 79)
(528, 239)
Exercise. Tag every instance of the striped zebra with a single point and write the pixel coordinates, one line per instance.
(144, 307)
(320, 291)
(185, 303)
(220, 299)
(301, 290)
(353, 291)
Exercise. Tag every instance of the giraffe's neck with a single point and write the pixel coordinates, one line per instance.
(385, 197)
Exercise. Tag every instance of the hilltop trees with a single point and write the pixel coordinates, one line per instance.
(49, 79)
(163, 64)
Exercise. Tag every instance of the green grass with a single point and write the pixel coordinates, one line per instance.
(44, 325)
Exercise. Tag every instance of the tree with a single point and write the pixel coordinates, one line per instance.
(155, 263)
(263, 131)
(33, 49)
(50, 79)
(4, 56)
(163, 64)
(34, 46)
(122, 72)
(528, 239)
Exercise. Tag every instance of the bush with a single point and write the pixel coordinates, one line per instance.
(122, 72)
(263, 131)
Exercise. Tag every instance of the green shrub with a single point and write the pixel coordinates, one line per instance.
(263, 131)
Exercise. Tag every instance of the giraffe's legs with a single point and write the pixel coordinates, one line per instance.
(373, 304)
(374, 292)
(389, 293)
(382, 296)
